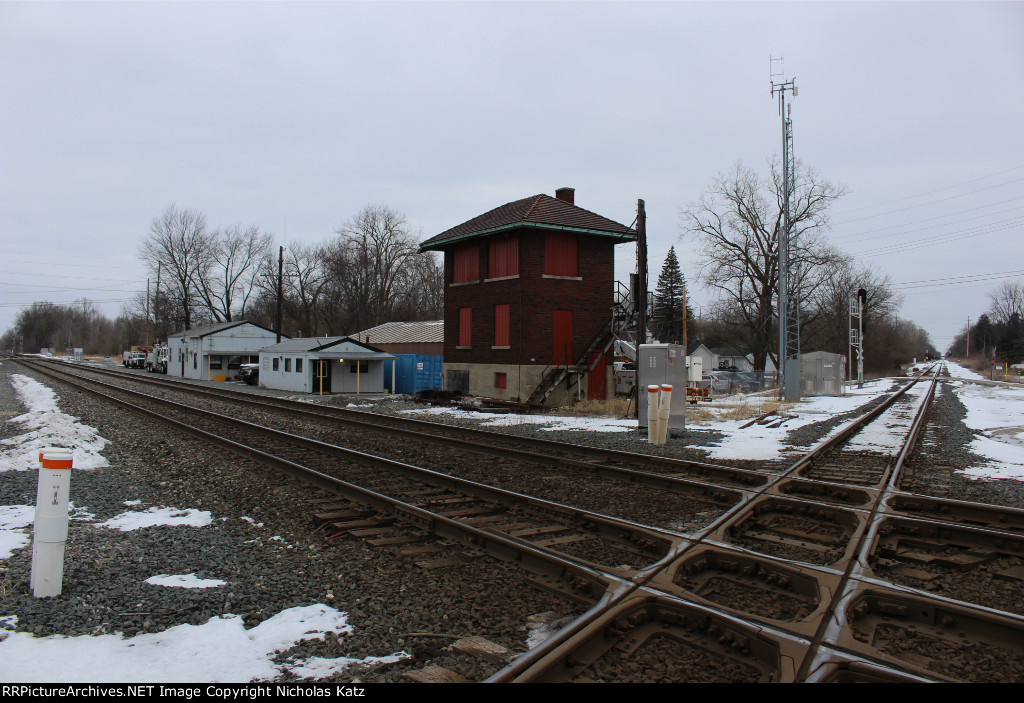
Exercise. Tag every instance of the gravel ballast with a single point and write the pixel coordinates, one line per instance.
(262, 543)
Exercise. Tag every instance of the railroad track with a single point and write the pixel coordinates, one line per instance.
(606, 462)
(662, 500)
(790, 586)
(825, 572)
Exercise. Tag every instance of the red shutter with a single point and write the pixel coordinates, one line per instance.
(502, 316)
(504, 257)
(466, 263)
(501, 380)
(561, 255)
(465, 327)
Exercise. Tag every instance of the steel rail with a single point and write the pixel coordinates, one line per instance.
(648, 537)
(518, 669)
(496, 442)
(847, 583)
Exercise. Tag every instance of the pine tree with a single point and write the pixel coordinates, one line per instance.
(667, 316)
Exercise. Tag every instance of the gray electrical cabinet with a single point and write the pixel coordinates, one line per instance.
(658, 364)
(823, 373)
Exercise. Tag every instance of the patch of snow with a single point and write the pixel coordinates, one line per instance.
(218, 651)
(183, 581)
(48, 427)
(158, 516)
(14, 523)
(996, 414)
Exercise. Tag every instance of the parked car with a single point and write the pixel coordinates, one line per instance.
(749, 381)
(719, 382)
(250, 373)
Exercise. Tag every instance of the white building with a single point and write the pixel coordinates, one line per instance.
(323, 365)
(214, 352)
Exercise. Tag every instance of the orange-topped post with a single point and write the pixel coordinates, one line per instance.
(50, 531)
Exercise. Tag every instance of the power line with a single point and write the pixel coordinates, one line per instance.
(67, 302)
(937, 190)
(930, 202)
(944, 238)
(937, 217)
(973, 275)
(54, 289)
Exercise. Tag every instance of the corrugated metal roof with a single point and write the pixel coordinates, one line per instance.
(537, 211)
(429, 332)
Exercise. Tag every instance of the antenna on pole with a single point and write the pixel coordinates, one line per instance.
(789, 269)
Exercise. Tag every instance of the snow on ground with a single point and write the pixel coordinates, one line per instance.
(996, 414)
(549, 422)
(14, 521)
(757, 442)
(764, 443)
(957, 371)
(158, 516)
(49, 427)
(184, 581)
(891, 428)
(221, 650)
(218, 651)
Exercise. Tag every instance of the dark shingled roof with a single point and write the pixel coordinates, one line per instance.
(536, 211)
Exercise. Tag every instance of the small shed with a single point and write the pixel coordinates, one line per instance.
(822, 373)
(214, 352)
(323, 365)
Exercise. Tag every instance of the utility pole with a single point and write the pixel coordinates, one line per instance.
(280, 276)
(789, 270)
(641, 269)
(156, 302)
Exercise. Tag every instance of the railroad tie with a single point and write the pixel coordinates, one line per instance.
(435, 674)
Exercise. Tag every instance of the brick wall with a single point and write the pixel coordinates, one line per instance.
(532, 298)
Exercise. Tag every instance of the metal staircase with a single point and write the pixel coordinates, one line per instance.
(622, 318)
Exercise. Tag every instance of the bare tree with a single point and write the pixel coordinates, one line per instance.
(369, 263)
(227, 278)
(180, 245)
(828, 323)
(1007, 301)
(738, 222)
(304, 285)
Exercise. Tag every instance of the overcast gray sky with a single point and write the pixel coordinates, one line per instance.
(293, 116)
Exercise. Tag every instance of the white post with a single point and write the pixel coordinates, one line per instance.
(652, 414)
(50, 530)
(663, 412)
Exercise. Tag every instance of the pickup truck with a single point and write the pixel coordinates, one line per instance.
(250, 373)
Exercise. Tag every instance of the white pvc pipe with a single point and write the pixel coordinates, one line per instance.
(652, 414)
(663, 412)
(50, 531)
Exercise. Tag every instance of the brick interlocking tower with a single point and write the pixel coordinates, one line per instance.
(529, 291)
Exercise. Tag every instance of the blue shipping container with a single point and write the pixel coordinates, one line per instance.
(414, 373)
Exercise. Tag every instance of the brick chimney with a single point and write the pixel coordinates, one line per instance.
(566, 194)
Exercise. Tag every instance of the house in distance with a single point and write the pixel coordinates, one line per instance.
(529, 290)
